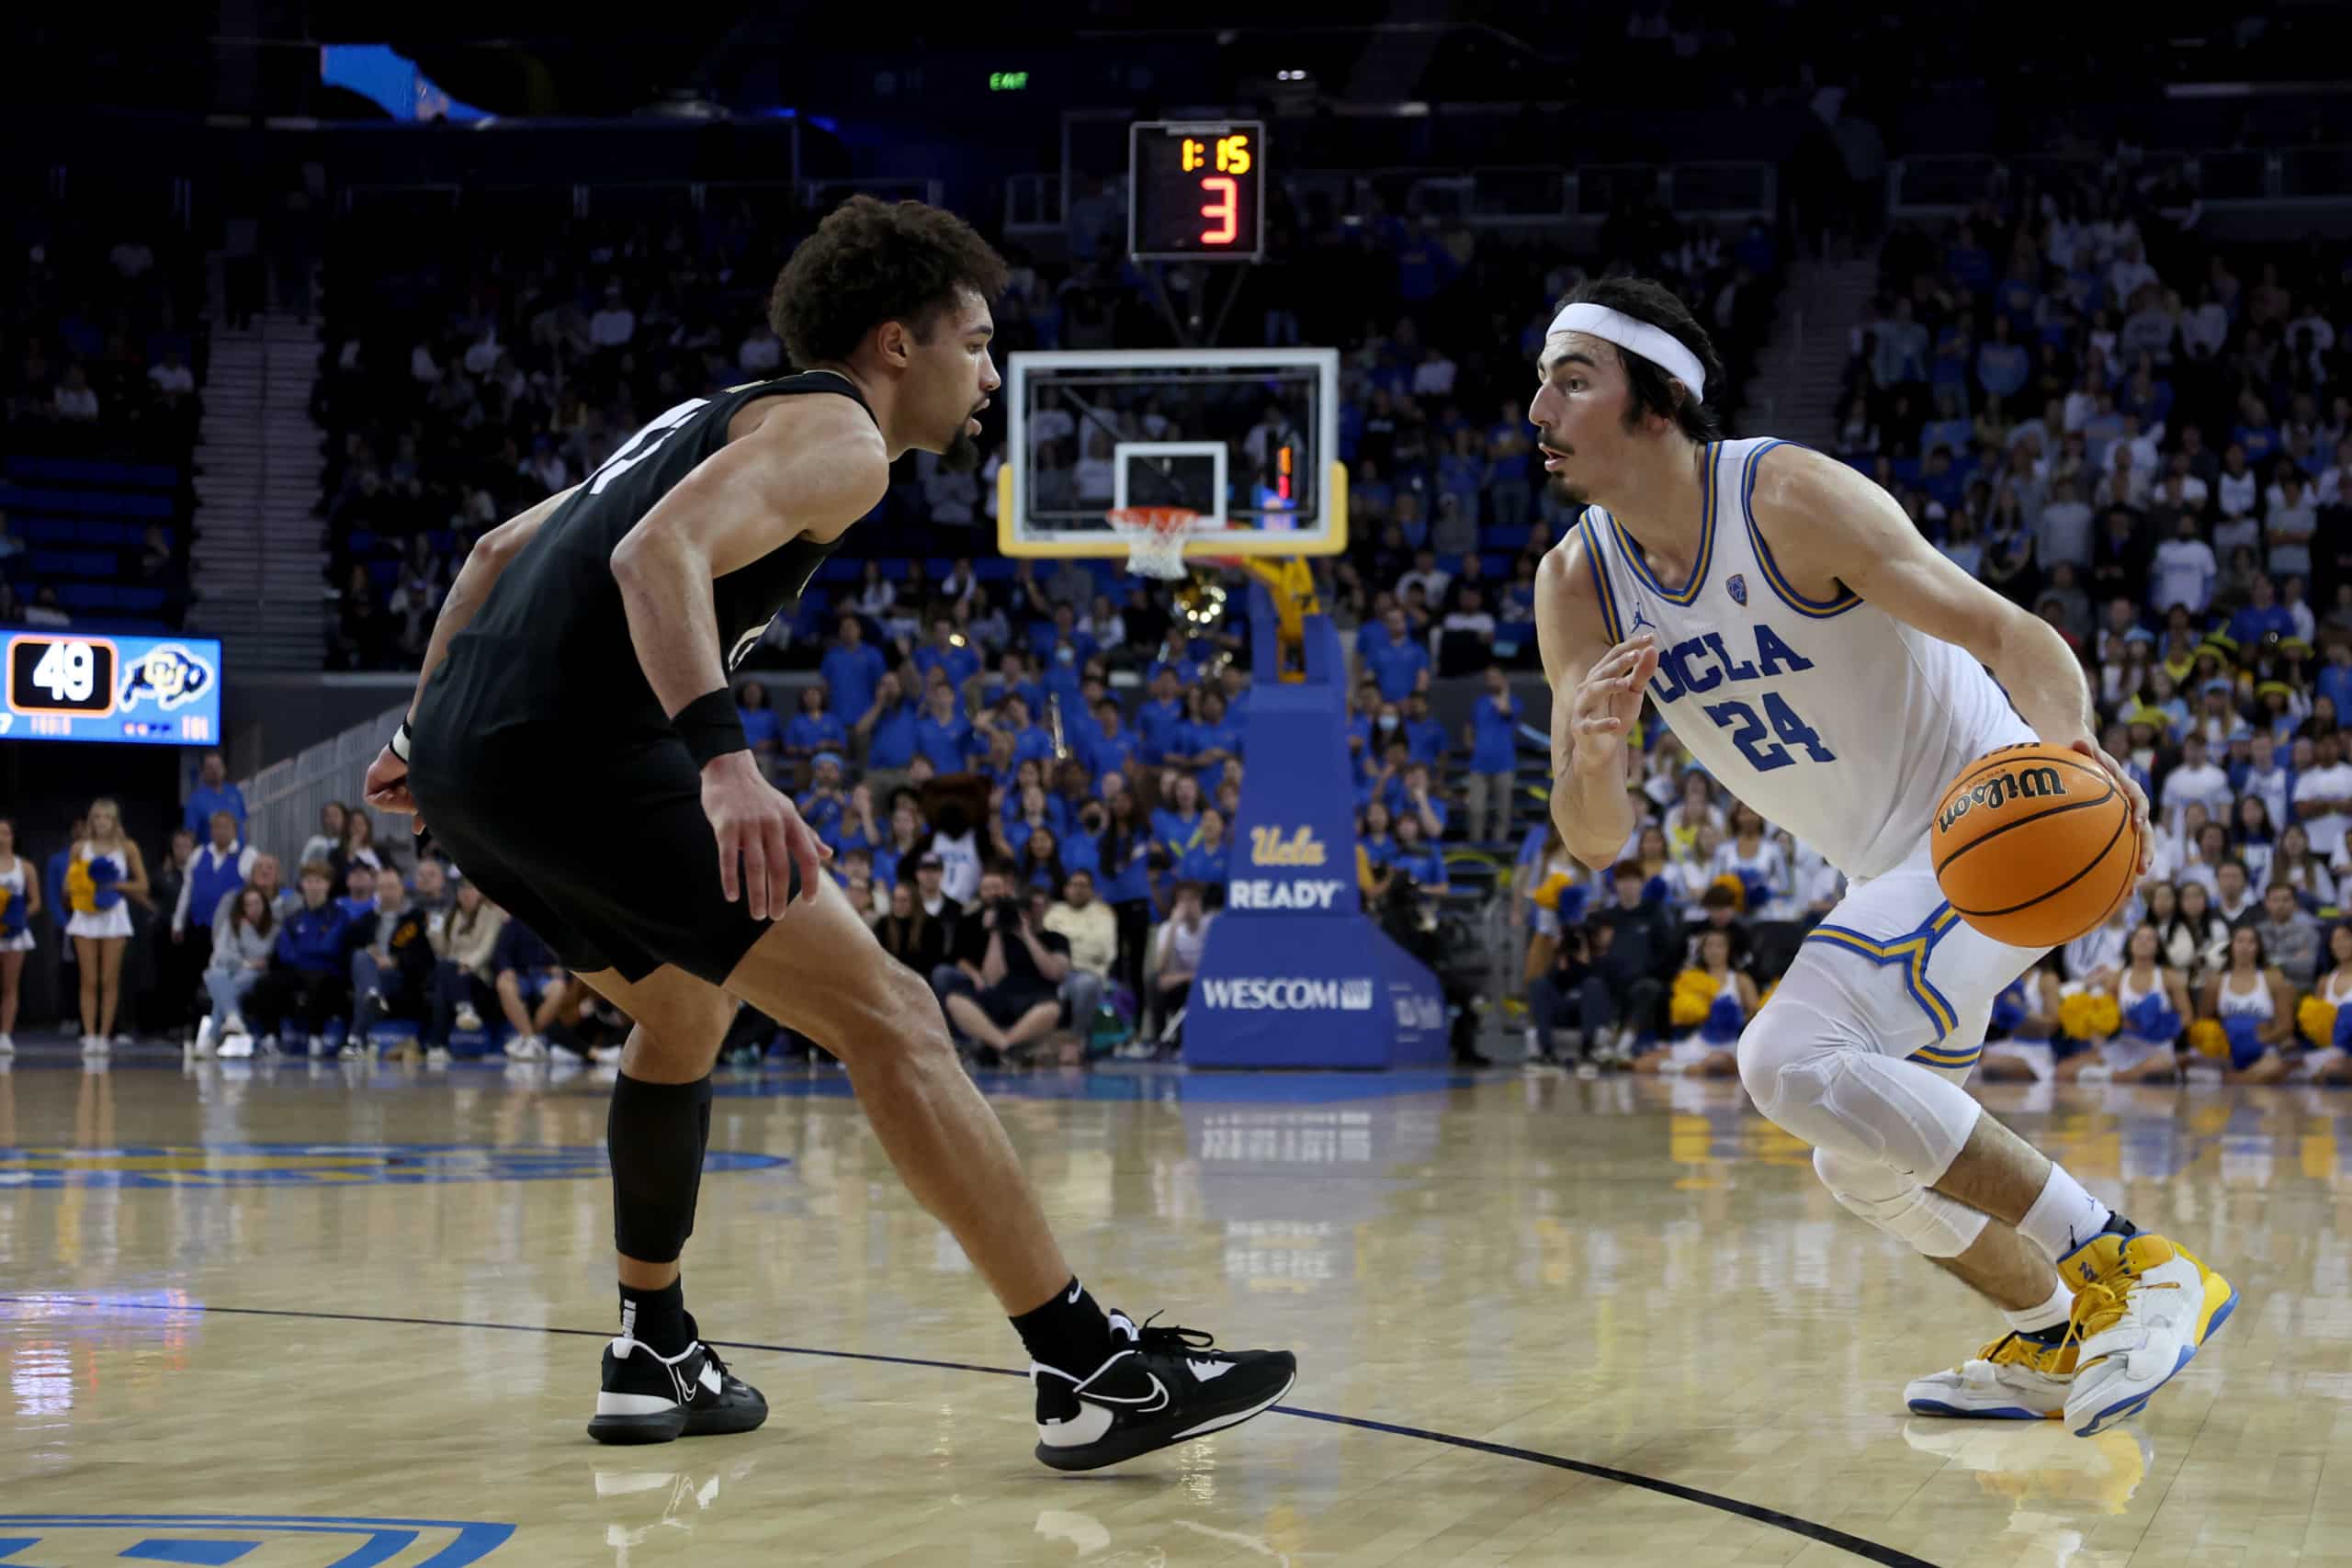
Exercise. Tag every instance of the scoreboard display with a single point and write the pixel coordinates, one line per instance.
(67, 685)
(1196, 191)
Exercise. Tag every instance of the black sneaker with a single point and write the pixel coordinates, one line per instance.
(1160, 1386)
(648, 1399)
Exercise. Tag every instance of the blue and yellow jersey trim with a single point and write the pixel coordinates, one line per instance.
(1688, 592)
(1912, 951)
(1818, 609)
(1601, 586)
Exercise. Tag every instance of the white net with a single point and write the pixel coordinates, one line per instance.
(1155, 536)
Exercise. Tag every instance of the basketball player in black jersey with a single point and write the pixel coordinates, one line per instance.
(575, 693)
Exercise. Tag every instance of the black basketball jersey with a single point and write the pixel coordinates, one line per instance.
(551, 643)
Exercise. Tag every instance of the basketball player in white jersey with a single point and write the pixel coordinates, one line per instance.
(1831, 668)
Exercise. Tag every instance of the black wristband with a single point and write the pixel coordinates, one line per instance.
(710, 727)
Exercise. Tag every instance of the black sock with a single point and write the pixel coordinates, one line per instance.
(657, 1318)
(1070, 1333)
(2118, 1226)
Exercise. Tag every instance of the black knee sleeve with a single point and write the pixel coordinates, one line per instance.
(655, 1135)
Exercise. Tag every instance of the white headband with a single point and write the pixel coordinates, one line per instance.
(1656, 344)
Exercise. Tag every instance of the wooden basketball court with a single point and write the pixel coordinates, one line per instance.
(300, 1316)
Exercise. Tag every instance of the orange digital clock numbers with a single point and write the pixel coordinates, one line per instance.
(1196, 190)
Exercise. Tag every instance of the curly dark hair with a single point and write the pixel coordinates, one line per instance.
(871, 262)
(1653, 388)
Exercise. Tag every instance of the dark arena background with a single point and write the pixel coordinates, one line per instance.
(1221, 670)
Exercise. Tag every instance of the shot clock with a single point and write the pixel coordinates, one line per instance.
(69, 685)
(1196, 190)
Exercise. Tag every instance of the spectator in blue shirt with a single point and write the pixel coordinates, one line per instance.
(888, 728)
(2334, 681)
(1059, 644)
(763, 726)
(1178, 656)
(1493, 735)
(2001, 362)
(1424, 737)
(2256, 434)
(1176, 825)
(1205, 861)
(2017, 295)
(213, 792)
(1111, 747)
(1160, 721)
(1016, 677)
(1396, 658)
(941, 734)
(1409, 794)
(814, 729)
(1032, 812)
(947, 651)
(824, 802)
(852, 669)
(1206, 745)
(1030, 742)
(2264, 617)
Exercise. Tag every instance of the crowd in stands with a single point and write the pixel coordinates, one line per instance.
(465, 380)
(2144, 438)
(101, 355)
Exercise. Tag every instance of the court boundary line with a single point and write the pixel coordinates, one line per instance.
(1756, 1513)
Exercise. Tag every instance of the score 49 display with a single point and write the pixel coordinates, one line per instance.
(64, 686)
(1196, 191)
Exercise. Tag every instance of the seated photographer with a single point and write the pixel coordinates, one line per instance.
(1017, 999)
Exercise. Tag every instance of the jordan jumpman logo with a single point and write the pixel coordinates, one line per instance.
(1640, 620)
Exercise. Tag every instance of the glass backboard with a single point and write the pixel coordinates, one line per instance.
(1246, 437)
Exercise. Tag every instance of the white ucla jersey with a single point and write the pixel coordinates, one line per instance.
(1829, 717)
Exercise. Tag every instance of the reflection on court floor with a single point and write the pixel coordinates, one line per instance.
(1539, 1321)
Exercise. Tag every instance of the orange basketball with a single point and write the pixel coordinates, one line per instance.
(2034, 845)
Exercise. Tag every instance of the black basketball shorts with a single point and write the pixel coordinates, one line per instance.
(605, 854)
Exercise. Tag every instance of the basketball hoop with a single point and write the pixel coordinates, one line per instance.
(1156, 537)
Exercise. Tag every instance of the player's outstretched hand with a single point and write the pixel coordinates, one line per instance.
(386, 788)
(1606, 705)
(2132, 792)
(761, 836)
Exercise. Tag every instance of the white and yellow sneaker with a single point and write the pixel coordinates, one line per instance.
(2013, 1379)
(2144, 1307)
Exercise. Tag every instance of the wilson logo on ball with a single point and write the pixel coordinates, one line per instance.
(2025, 784)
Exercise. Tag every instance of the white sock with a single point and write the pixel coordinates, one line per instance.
(2064, 1217)
(2049, 1314)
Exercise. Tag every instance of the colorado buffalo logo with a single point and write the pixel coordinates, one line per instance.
(2026, 783)
(169, 673)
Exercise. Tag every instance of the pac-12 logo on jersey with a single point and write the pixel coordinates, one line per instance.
(1738, 586)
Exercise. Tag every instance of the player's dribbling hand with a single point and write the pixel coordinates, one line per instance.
(2132, 792)
(761, 836)
(386, 788)
(1606, 705)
